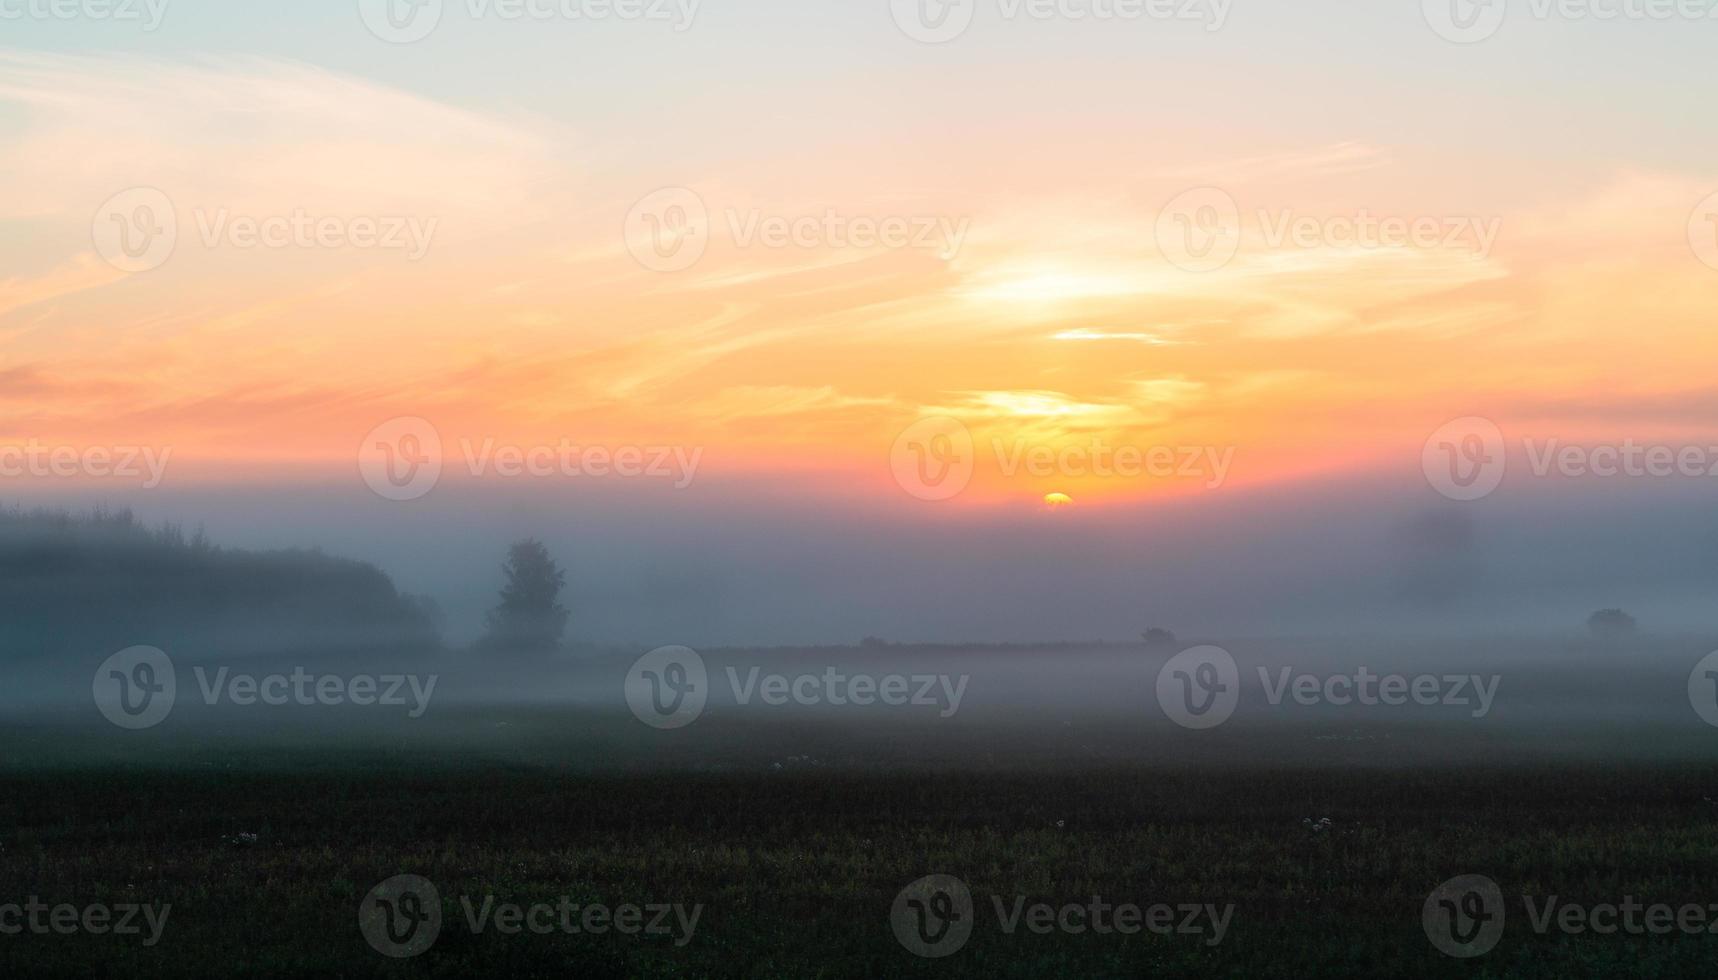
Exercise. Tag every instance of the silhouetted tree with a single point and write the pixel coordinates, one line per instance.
(1158, 640)
(1611, 624)
(529, 617)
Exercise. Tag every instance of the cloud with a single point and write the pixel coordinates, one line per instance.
(255, 135)
(1326, 161)
(1086, 334)
(74, 276)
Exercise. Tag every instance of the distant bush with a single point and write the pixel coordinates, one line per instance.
(85, 583)
(1612, 624)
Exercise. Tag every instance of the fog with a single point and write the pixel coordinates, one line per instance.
(1018, 632)
(727, 563)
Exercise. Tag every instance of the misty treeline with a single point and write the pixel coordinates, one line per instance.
(71, 584)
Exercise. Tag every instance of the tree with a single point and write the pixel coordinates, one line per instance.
(529, 617)
(1157, 639)
(1611, 624)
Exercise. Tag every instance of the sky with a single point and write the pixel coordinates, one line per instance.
(1199, 268)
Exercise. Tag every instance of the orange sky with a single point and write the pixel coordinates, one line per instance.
(1058, 318)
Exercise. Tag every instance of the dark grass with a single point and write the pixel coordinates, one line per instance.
(798, 869)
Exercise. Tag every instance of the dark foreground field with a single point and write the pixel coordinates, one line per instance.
(797, 870)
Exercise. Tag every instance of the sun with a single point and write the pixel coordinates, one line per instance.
(1057, 501)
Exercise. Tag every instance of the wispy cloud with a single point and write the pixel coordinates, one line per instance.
(1083, 334)
(253, 134)
(1325, 161)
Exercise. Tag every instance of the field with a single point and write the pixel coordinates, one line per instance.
(265, 851)
(1292, 841)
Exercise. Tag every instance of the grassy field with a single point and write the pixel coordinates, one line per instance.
(790, 834)
(797, 869)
